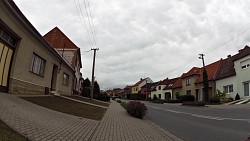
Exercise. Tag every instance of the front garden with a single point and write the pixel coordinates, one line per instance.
(68, 106)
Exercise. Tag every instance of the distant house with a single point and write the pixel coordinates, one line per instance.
(127, 91)
(146, 89)
(68, 50)
(188, 82)
(136, 89)
(177, 89)
(233, 74)
(163, 89)
(28, 64)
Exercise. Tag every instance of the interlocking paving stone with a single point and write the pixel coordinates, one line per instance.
(118, 125)
(39, 123)
(42, 124)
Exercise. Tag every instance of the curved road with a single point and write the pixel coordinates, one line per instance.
(212, 123)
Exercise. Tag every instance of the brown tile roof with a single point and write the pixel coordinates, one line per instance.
(211, 71)
(242, 53)
(170, 83)
(226, 68)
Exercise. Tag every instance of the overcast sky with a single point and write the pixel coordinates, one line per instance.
(145, 38)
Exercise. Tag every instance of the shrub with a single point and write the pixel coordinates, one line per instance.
(248, 139)
(102, 97)
(124, 104)
(215, 100)
(158, 101)
(173, 101)
(187, 98)
(193, 103)
(237, 97)
(137, 109)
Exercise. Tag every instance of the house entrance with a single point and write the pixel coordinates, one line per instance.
(5, 64)
(246, 89)
(54, 78)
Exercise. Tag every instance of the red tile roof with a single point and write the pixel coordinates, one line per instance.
(58, 40)
(211, 72)
(178, 83)
(139, 82)
(193, 71)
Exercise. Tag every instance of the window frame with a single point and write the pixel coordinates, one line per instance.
(11, 35)
(65, 80)
(37, 61)
(227, 89)
(188, 81)
(159, 87)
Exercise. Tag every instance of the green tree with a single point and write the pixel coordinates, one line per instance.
(96, 88)
(205, 85)
(86, 88)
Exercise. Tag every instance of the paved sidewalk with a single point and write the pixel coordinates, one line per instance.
(42, 124)
(117, 125)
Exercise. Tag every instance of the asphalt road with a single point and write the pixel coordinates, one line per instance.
(212, 123)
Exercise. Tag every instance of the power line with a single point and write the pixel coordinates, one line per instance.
(246, 28)
(90, 25)
(226, 42)
(80, 14)
(92, 22)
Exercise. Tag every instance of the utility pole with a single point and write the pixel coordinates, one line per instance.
(93, 73)
(205, 93)
(146, 89)
(202, 57)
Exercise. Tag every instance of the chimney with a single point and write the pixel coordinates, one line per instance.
(229, 56)
(240, 50)
(141, 78)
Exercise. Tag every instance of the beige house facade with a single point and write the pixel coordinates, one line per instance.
(28, 64)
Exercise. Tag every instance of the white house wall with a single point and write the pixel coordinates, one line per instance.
(243, 75)
(227, 81)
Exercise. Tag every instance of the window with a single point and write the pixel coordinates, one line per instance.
(245, 64)
(159, 87)
(228, 89)
(188, 81)
(37, 65)
(65, 79)
(159, 96)
(6, 36)
(246, 89)
(188, 92)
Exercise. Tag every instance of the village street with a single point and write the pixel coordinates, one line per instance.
(211, 123)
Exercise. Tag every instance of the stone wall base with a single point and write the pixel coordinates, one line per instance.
(19, 87)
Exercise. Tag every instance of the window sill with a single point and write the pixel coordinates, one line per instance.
(37, 74)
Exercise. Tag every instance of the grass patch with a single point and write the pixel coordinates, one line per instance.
(8, 134)
(124, 104)
(68, 106)
(88, 100)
